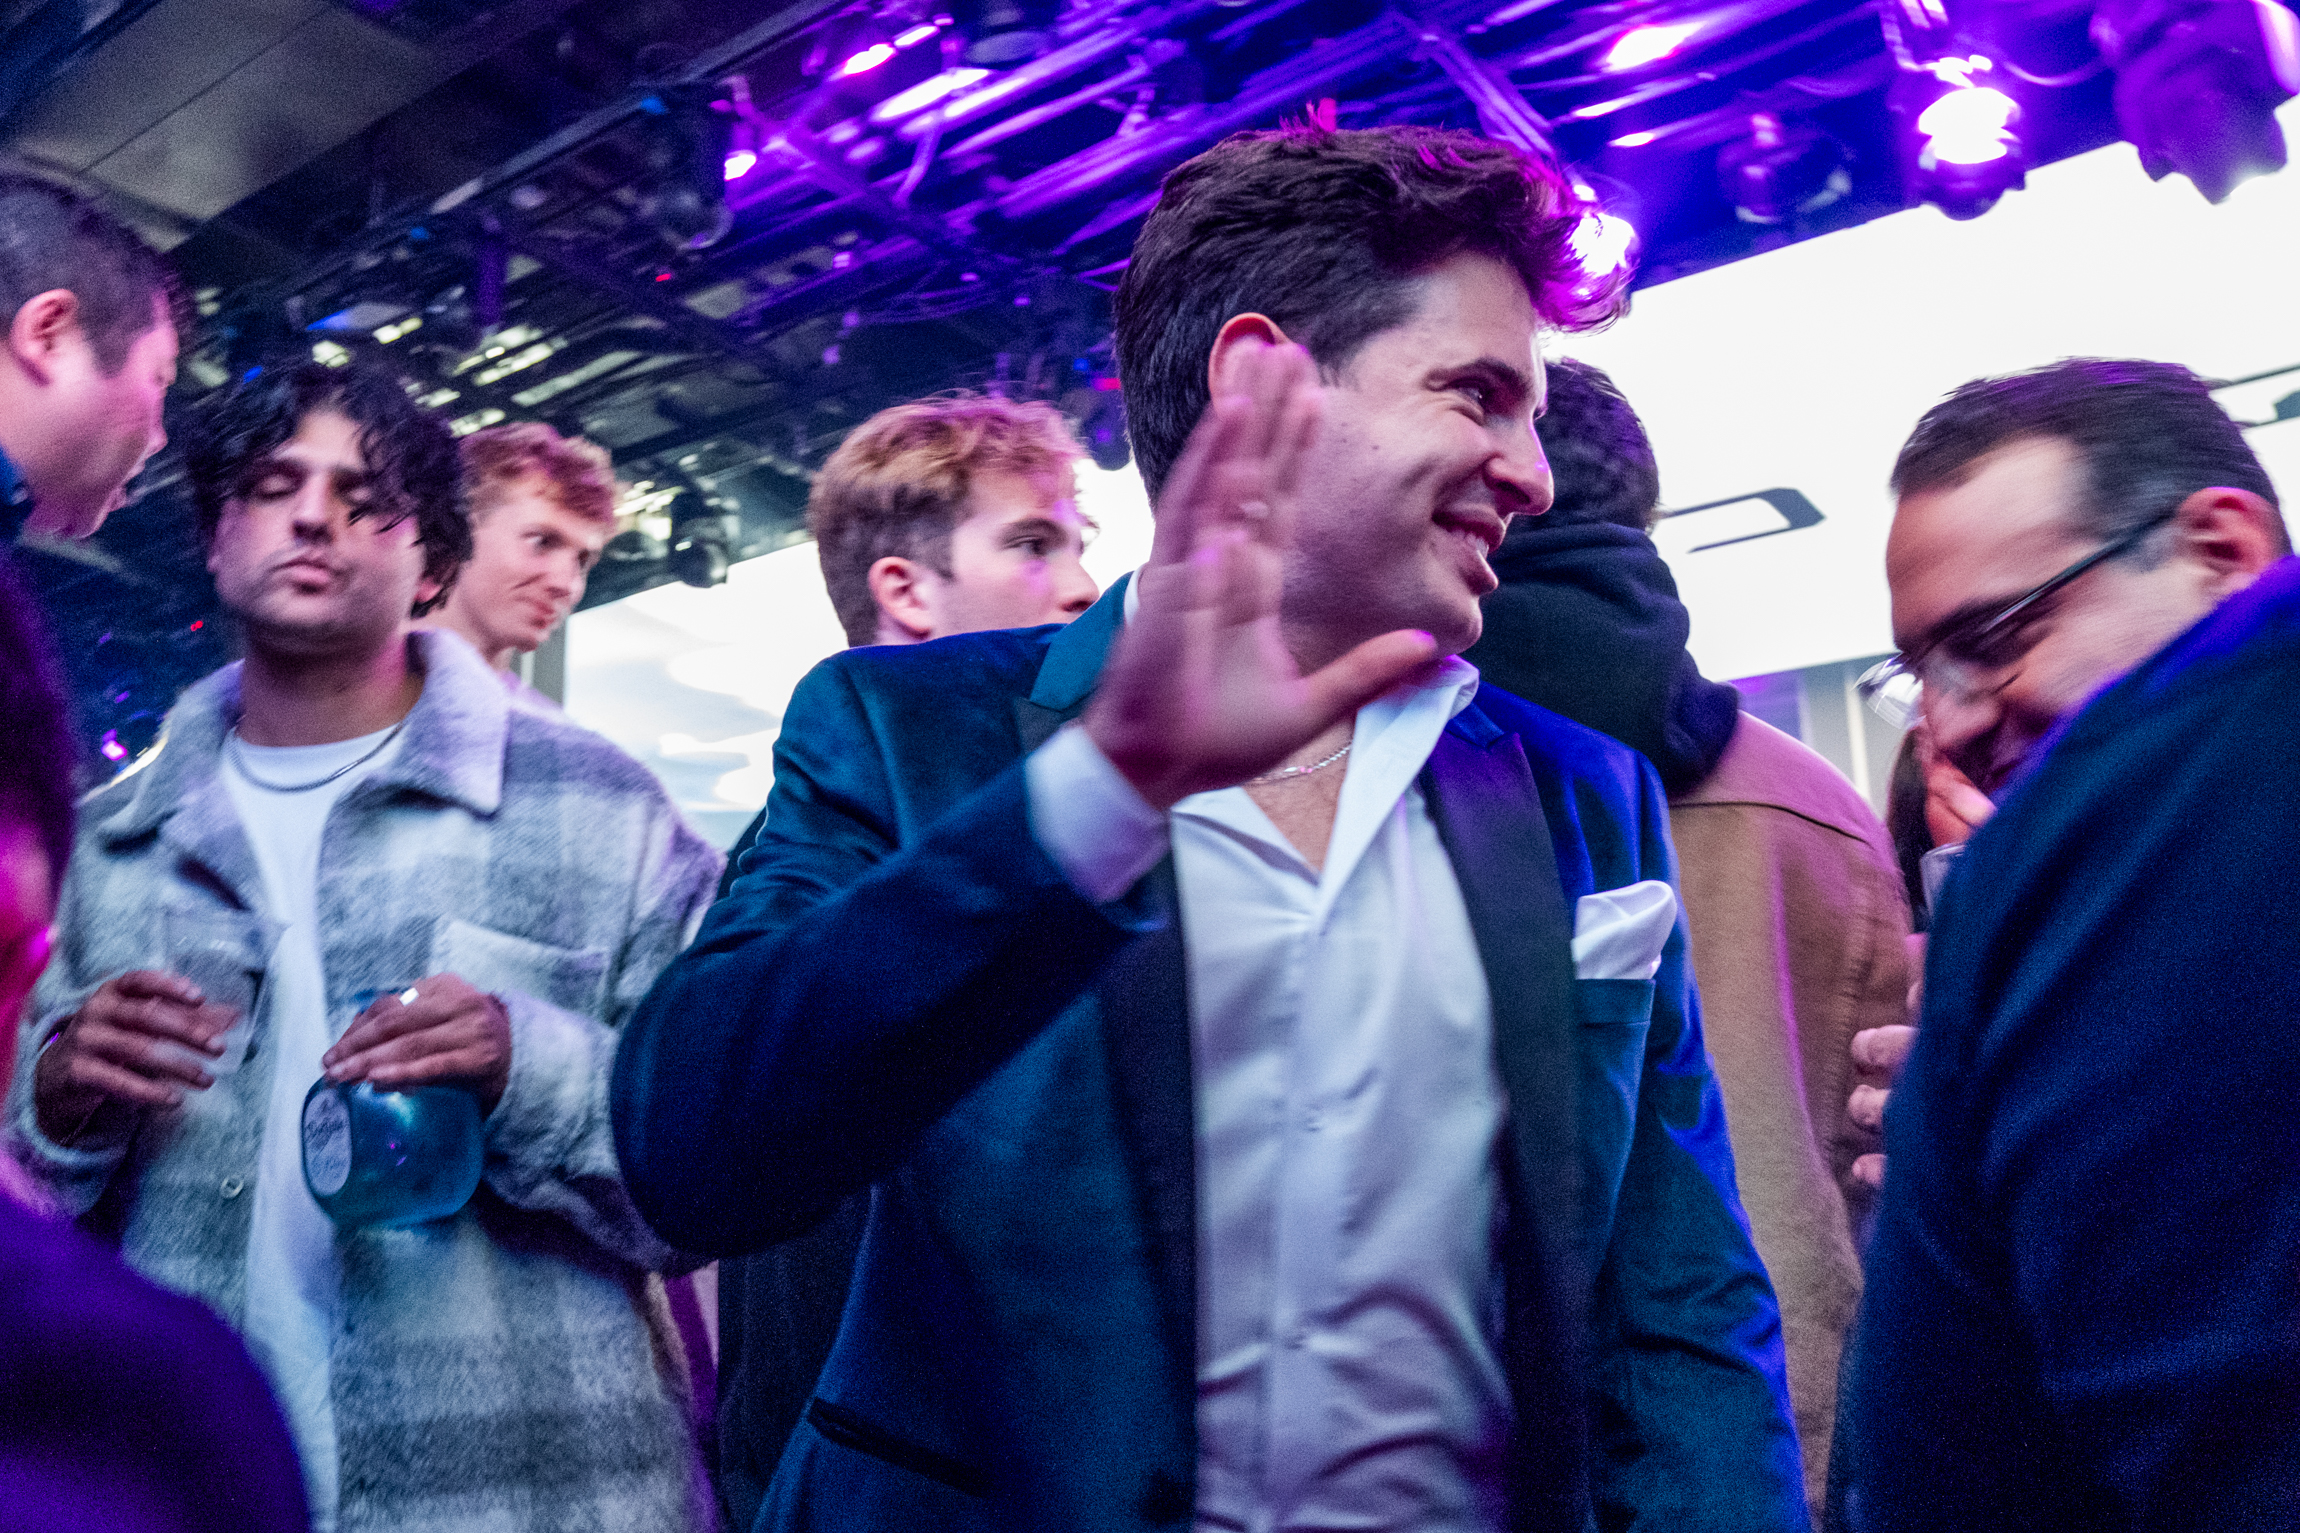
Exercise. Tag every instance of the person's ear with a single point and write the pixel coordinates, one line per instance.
(2232, 535)
(1230, 344)
(42, 331)
(905, 606)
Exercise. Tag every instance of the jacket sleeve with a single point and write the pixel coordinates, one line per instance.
(1690, 1412)
(857, 981)
(550, 1141)
(73, 1177)
(1798, 934)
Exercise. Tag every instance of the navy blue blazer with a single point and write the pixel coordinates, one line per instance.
(903, 992)
(2083, 1309)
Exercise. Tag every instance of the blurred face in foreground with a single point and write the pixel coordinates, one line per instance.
(1014, 563)
(27, 905)
(530, 560)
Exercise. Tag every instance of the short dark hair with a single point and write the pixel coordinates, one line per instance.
(52, 237)
(409, 451)
(1598, 452)
(2147, 434)
(37, 753)
(1326, 232)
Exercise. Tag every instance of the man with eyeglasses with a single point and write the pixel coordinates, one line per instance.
(2083, 1284)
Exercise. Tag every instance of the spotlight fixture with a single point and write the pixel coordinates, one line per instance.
(1098, 414)
(1780, 170)
(1604, 243)
(689, 144)
(1962, 151)
(867, 59)
(704, 531)
(2198, 83)
(1000, 34)
(702, 550)
(1643, 45)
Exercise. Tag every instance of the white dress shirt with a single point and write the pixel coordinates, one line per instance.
(293, 1275)
(1348, 1119)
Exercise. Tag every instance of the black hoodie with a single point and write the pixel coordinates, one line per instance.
(1587, 623)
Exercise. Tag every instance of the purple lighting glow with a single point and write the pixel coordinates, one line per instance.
(1970, 124)
(1602, 243)
(1640, 46)
(870, 58)
(741, 162)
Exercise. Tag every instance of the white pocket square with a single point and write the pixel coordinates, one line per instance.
(1619, 933)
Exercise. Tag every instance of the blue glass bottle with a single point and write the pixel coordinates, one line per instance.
(390, 1158)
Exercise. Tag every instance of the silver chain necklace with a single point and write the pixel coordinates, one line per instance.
(240, 760)
(1284, 773)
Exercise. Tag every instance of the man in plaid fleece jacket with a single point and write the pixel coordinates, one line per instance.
(500, 1369)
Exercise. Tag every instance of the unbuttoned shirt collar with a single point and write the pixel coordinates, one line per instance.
(1390, 745)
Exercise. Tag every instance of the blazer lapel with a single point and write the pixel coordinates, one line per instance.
(1488, 811)
(1073, 664)
(1145, 1006)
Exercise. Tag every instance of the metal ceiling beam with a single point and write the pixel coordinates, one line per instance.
(706, 334)
(1501, 108)
(711, 65)
(1174, 138)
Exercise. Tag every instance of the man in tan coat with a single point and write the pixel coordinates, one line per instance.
(1795, 902)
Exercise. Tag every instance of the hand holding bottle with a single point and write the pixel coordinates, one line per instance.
(438, 1030)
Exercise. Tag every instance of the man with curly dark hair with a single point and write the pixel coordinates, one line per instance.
(357, 809)
(88, 327)
(1274, 1062)
(121, 1405)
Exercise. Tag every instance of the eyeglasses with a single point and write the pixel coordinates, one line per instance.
(1958, 657)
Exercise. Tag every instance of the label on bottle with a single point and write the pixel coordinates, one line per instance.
(326, 1144)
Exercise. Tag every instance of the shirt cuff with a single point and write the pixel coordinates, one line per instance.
(1099, 831)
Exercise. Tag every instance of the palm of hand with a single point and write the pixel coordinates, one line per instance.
(1201, 691)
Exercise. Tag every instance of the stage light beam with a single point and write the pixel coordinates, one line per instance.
(869, 59)
(1640, 46)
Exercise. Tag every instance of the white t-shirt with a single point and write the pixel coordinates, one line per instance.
(292, 1278)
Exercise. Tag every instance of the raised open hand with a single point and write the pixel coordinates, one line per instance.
(1200, 692)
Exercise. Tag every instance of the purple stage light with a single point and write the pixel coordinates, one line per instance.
(919, 34)
(2198, 83)
(1970, 124)
(1602, 242)
(1640, 46)
(1962, 148)
(869, 59)
(741, 162)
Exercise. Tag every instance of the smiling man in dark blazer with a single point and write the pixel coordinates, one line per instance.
(1274, 1061)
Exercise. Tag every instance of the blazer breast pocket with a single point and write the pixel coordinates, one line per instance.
(1615, 1016)
(572, 979)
